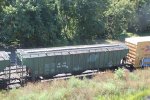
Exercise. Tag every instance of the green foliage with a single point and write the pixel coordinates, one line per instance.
(111, 88)
(97, 88)
(65, 22)
(140, 95)
(33, 23)
(119, 15)
(124, 35)
(120, 73)
(74, 82)
(60, 94)
(133, 76)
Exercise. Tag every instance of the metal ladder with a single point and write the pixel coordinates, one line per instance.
(14, 76)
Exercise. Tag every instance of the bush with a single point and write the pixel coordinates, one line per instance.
(120, 73)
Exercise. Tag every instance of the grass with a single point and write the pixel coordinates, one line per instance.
(121, 85)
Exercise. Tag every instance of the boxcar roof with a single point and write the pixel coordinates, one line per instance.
(67, 50)
(135, 40)
(4, 55)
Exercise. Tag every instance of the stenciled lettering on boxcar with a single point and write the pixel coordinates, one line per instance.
(92, 58)
(62, 65)
(58, 65)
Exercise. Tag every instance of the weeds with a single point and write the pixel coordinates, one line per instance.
(133, 76)
(121, 85)
(75, 83)
(120, 73)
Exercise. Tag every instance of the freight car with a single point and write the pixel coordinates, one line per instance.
(4, 60)
(139, 51)
(16, 66)
(71, 59)
(9, 73)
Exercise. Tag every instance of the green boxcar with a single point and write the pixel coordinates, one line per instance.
(4, 60)
(71, 59)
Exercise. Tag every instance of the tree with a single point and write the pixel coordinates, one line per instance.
(119, 15)
(33, 23)
(38, 23)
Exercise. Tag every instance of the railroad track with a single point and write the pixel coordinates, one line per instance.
(87, 74)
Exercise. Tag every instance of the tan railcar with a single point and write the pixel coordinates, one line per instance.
(139, 49)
